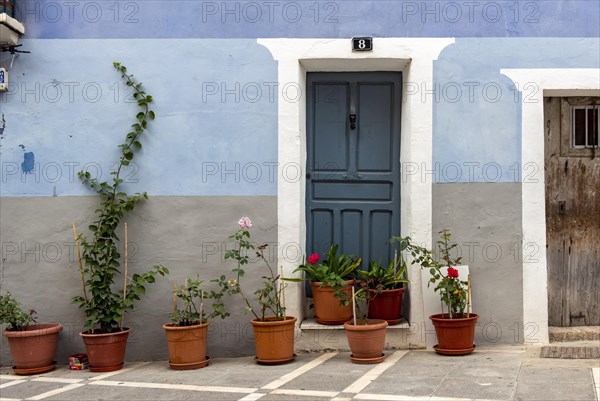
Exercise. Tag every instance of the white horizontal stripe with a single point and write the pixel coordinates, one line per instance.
(306, 393)
(252, 397)
(56, 391)
(10, 399)
(116, 372)
(391, 397)
(301, 370)
(10, 377)
(167, 386)
(56, 380)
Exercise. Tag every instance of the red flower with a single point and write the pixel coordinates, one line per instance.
(452, 273)
(313, 259)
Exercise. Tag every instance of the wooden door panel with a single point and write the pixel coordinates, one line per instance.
(572, 180)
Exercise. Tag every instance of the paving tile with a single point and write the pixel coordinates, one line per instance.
(555, 375)
(285, 397)
(334, 374)
(88, 393)
(483, 371)
(483, 388)
(423, 386)
(29, 389)
(550, 391)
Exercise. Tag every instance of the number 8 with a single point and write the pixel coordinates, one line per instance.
(362, 44)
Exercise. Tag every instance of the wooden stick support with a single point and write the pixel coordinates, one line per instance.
(395, 261)
(201, 306)
(353, 306)
(80, 263)
(125, 276)
(174, 296)
(282, 289)
(468, 296)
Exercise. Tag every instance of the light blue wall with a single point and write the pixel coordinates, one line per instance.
(216, 99)
(215, 131)
(322, 18)
(477, 110)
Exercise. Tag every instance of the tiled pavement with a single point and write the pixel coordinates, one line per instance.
(493, 374)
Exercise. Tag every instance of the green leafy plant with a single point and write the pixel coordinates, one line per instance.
(103, 306)
(270, 297)
(451, 289)
(380, 278)
(12, 313)
(333, 271)
(192, 297)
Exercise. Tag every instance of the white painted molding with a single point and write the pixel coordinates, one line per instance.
(295, 57)
(549, 82)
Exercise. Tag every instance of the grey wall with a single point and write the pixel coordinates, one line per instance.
(486, 223)
(186, 234)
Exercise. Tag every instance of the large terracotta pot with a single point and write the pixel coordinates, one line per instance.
(455, 336)
(386, 305)
(274, 340)
(327, 307)
(106, 352)
(366, 340)
(33, 349)
(187, 346)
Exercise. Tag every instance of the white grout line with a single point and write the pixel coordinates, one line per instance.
(252, 397)
(301, 370)
(10, 399)
(374, 373)
(56, 391)
(57, 380)
(391, 397)
(306, 393)
(10, 377)
(12, 383)
(596, 374)
(167, 386)
(116, 372)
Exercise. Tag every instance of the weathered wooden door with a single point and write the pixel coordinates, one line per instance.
(353, 162)
(572, 168)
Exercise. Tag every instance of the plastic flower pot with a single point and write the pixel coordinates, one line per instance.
(455, 336)
(187, 346)
(33, 349)
(106, 352)
(327, 307)
(274, 340)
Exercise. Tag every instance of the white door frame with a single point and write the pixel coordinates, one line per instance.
(548, 82)
(295, 57)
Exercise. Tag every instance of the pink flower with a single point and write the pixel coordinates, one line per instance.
(312, 259)
(245, 223)
(452, 273)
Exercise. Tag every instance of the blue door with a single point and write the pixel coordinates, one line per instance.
(353, 163)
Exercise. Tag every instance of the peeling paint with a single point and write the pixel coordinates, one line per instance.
(28, 164)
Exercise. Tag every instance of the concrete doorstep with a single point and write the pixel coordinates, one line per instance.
(513, 373)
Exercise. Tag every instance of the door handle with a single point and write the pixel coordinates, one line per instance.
(352, 118)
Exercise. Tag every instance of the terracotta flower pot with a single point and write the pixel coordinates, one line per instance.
(366, 340)
(274, 340)
(33, 349)
(455, 336)
(106, 352)
(386, 305)
(327, 307)
(187, 346)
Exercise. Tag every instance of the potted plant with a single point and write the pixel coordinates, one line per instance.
(331, 282)
(187, 333)
(273, 329)
(366, 337)
(386, 285)
(455, 329)
(32, 346)
(105, 335)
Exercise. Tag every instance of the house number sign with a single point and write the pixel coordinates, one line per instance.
(362, 44)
